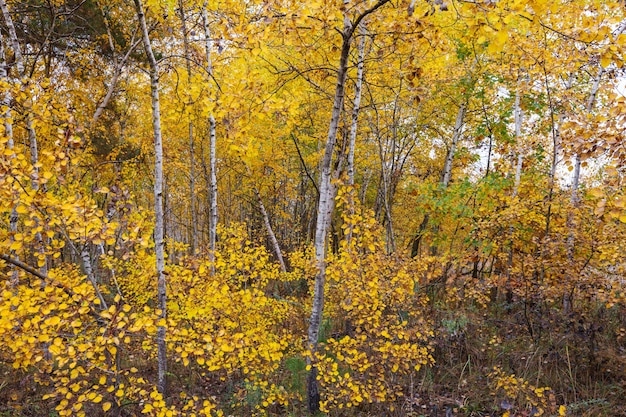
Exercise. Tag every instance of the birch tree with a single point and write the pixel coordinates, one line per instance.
(326, 199)
(446, 173)
(159, 242)
(32, 134)
(213, 216)
(356, 107)
(8, 132)
(518, 120)
(192, 173)
(270, 231)
(574, 198)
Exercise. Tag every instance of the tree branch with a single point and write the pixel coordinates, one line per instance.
(306, 170)
(28, 269)
(363, 15)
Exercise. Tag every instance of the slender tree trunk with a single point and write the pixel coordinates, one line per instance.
(8, 133)
(446, 175)
(391, 246)
(354, 123)
(192, 192)
(574, 200)
(456, 136)
(270, 232)
(555, 153)
(213, 218)
(327, 193)
(357, 105)
(91, 276)
(517, 111)
(326, 202)
(32, 135)
(208, 43)
(192, 173)
(117, 72)
(159, 242)
(19, 63)
(213, 189)
(324, 215)
(6, 97)
(417, 240)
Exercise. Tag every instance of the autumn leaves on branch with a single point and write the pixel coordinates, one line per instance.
(278, 207)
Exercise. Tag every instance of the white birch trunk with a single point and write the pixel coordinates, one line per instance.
(213, 215)
(192, 192)
(354, 124)
(86, 258)
(327, 194)
(158, 200)
(32, 136)
(357, 106)
(324, 215)
(6, 97)
(19, 63)
(456, 136)
(385, 197)
(270, 232)
(589, 108)
(446, 174)
(213, 189)
(327, 201)
(8, 132)
(192, 173)
(117, 73)
(567, 296)
(517, 113)
(208, 43)
(518, 133)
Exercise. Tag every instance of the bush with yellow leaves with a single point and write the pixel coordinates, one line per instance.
(382, 339)
(516, 395)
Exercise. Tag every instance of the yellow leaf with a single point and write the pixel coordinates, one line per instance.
(106, 406)
(562, 410)
(497, 44)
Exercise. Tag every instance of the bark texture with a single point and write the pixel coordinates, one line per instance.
(270, 232)
(326, 203)
(32, 135)
(192, 171)
(159, 242)
(8, 132)
(213, 215)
